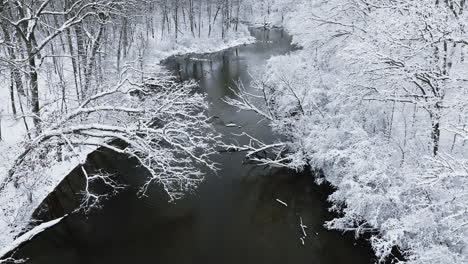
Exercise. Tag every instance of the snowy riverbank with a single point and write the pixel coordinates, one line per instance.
(348, 111)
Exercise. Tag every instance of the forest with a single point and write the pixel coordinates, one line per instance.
(370, 99)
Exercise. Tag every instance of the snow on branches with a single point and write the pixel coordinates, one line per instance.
(159, 122)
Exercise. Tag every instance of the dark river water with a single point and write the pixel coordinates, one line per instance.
(232, 218)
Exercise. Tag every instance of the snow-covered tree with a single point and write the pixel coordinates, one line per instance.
(167, 133)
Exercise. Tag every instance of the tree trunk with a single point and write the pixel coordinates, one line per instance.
(12, 94)
(81, 54)
(73, 56)
(92, 58)
(16, 74)
(176, 18)
(200, 18)
(34, 86)
(436, 137)
(191, 18)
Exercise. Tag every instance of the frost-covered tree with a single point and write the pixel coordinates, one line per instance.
(36, 24)
(166, 132)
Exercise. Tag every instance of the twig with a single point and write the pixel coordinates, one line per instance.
(281, 202)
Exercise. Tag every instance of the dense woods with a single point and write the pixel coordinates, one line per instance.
(376, 103)
(91, 38)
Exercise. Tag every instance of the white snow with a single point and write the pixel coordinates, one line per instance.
(28, 236)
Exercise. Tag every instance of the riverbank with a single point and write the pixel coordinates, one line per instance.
(377, 152)
(17, 206)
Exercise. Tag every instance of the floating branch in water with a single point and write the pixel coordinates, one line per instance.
(303, 227)
(260, 153)
(281, 202)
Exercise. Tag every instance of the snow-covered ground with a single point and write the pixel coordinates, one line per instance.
(28, 236)
(18, 204)
(187, 44)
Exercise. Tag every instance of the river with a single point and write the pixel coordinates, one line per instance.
(233, 217)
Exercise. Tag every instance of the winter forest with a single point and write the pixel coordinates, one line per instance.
(227, 131)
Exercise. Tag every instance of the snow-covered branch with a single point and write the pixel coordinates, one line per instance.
(260, 153)
(167, 132)
(244, 100)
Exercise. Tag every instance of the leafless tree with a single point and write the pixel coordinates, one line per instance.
(167, 133)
